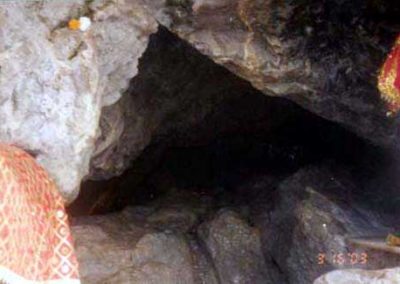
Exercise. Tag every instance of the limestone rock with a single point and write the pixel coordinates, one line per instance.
(358, 276)
(54, 81)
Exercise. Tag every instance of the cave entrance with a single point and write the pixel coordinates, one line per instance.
(232, 132)
(218, 143)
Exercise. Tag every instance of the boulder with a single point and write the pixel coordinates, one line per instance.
(54, 81)
(134, 255)
(308, 229)
(235, 249)
(358, 276)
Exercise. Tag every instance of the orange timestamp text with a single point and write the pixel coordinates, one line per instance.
(350, 258)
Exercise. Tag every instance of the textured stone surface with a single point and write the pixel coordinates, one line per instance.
(134, 255)
(324, 55)
(167, 241)
(358, 276)
(179, 238)
(315, 213)
(152, 243)
(54, 81)
(60, 99)
(235, 248)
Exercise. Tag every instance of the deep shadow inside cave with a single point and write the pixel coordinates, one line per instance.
(250, 145)
(222, 165)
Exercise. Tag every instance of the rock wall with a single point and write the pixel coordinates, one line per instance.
(315, 214)
(54, 81)
(323, 55)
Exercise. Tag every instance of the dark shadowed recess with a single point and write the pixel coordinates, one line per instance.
(238, 149)
(336, 34)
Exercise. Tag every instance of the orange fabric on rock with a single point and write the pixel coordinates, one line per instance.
(389, 78)
(35, 240)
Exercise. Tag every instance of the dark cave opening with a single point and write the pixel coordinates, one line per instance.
(245, 135)
(225, 163)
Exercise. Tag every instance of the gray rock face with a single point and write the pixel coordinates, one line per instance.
(54, 81)
(235, 248)
(164, 243)
(325, 56)
(154, 246)
(354, 276)
(308, 229)
(50, 104)
(136, 255)
(158, 258)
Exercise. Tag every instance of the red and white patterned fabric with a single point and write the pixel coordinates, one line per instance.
(389, 79)
(35, 239)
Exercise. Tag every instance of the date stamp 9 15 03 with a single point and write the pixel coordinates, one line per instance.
(348, 258)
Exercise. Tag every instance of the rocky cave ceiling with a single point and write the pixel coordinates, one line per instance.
(279, 96)
(288, 49)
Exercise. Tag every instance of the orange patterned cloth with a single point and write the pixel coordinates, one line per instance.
(389, 78)
(35, 239)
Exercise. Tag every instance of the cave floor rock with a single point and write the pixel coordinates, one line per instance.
(268, 230)
(160, 245)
